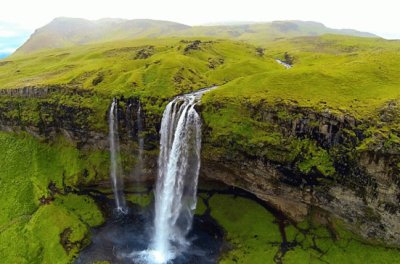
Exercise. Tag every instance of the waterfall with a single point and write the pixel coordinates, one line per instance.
(140, 139)
(115, 166)
(176, 187)
(178, 170)
(284, 64)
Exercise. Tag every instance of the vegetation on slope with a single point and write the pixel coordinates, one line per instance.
(41, 220)
(154, 70)
(351, 83)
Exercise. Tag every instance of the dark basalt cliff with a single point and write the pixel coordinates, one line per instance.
(359, 185)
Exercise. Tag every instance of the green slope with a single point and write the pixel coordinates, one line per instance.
(341, 73)
(159, 67)
(154, 70)
(344, 74)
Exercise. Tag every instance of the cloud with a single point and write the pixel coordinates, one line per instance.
(7, 50)
(11, 37)
(8, 33)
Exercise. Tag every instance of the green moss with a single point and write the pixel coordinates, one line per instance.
(84, 207)
(316, 245)
(313, 157)
(140, 199)
(255, 238)
(45, 229)
(200, 206)
(38, 229)
(249, 229)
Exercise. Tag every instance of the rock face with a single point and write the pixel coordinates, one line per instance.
(375, 217)
(363, 190)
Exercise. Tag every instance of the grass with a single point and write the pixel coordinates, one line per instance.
(343, 74)
(118, 69)
(118, 63)
(34, 227)
(340, 74)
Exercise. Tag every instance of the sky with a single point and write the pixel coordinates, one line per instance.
(19, 18)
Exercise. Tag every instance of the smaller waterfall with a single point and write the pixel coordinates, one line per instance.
(284, 64)
(115, 166)
(140, 139)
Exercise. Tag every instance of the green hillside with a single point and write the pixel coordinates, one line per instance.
(159, 67)
(341, 73)
(351, 74)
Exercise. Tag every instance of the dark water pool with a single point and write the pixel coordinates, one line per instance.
(122, 235)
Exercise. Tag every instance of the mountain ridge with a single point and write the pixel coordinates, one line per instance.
(66, 32)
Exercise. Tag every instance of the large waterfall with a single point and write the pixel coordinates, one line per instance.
(178, 170)
(115, 166)
(179, 164)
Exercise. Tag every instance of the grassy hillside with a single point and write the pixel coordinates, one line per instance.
(69, 32)
(154, 70)
(340, 74)
(346, 74)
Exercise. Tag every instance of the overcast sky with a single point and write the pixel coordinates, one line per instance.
(380, 17)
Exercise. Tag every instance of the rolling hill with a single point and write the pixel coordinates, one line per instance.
(68, 32)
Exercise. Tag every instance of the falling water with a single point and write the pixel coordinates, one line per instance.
(179, 164)
(284, 64)
(176, 188)
(139, 123)
(115, 167)
(178, 170)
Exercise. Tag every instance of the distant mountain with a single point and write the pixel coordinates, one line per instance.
(273, 30)
(66, 32)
